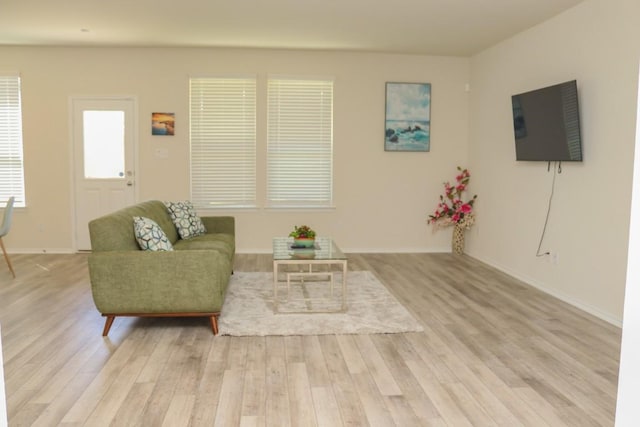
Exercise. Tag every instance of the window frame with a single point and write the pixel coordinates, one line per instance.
(299, 161)
(236, 170)
(11, 140)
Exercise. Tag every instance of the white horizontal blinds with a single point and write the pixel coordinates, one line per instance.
(300, 142)
(11, 156)
(223, 142)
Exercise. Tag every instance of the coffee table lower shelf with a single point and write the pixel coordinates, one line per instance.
(308, 274)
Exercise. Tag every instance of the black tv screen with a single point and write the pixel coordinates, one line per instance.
(546, 124)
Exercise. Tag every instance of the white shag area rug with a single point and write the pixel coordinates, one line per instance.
(371, 309)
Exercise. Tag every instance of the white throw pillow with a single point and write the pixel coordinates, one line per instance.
(149, 235)
(184, 217)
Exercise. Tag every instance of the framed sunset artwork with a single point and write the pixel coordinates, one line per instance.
(163, 123)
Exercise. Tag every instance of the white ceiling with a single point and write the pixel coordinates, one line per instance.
(433, 27)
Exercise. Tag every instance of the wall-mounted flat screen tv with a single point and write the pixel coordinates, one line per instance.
(546, 124)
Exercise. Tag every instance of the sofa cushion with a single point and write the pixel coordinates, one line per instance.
(184, 217)
(223, 243)
(149, 235)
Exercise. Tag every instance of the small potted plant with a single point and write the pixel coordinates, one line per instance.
(303, 236)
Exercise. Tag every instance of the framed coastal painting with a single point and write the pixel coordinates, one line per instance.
(163, 123)
(407, 117)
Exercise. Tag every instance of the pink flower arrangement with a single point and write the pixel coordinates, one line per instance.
(452, 209)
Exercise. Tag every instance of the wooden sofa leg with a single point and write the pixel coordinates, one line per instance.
(107, 324)
(214, 324)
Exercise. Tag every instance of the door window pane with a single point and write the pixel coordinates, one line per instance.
(103, 133)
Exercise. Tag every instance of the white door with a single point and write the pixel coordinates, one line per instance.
(104, 154)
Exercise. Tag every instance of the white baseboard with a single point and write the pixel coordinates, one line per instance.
(588, 308)
(42, 251)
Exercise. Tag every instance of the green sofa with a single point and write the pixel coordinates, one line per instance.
(189, 281)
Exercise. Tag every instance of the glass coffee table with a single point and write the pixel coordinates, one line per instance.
(305, 274)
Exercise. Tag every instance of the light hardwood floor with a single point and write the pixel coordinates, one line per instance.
(494, 352)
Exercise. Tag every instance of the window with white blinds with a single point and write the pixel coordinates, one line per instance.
(11, 156)
(223, 142)
(299, 142)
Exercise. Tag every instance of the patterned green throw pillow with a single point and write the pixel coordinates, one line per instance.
(184, 217)
(149, 235)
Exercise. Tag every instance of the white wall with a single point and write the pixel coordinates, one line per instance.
(627, 411)
(596, 43)
(381, 198)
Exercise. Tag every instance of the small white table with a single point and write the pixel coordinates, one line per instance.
(295, 266)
